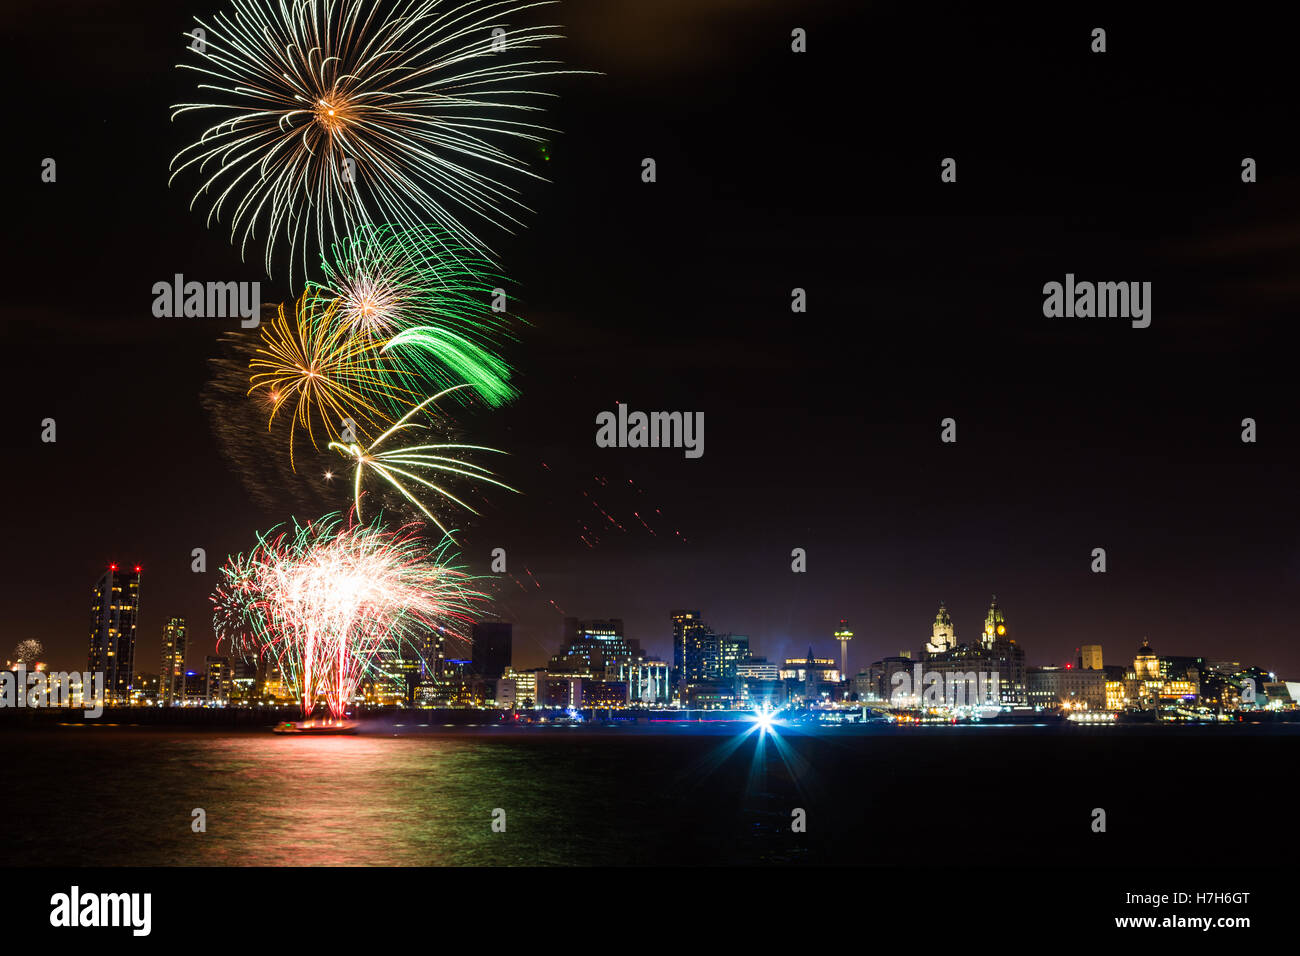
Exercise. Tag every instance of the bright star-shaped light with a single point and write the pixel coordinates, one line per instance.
(765, 719)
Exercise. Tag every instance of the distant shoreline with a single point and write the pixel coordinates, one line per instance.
(601, 723)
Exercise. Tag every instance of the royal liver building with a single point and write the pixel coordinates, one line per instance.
(994, 652)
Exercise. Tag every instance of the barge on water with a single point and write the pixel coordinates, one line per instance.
(316, 728)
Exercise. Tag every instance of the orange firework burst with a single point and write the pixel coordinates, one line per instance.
(312, 365)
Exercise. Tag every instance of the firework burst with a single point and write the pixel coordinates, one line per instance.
(432, 311)
(28, 651)
(325, 376)
(323, 600)
(329, 114)
(424, 465)
(391, 279)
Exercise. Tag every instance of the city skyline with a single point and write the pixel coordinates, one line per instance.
(824, 428)
(945, 635)
(598, 667)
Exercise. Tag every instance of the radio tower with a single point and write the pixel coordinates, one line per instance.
(844, 635)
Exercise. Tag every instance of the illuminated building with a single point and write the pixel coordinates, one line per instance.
(756, 692)
(171, 675)
(430, 687)
(647, 680)
(820, 669)
(682, 622)
(144, 690)
(1066, 688)
(1253, 678)
(476, 691)
(963, 666)
(880, 675)
(392, 680)
(811, 678)
(490, 648)
(1116, 695)
(591, 645)
(598, 652)
(517, 688)
(1178, 690)
(601, 690)
(433, 650)
(943, 636)
(450, 683)
(758, 668)
(731, 650)
(113, 614)
(1219, 691)
(604, 694)
(559, 691)
(1146, 666)
(996, 653)
(995, 624)
(1230, 685)
(243, 681)
(1174, 667)
(862, 686)
(1154, 683)
(1090, 658)
(688, 640)
(1282, 694)
(710, 695)
(196, 687)
(758, 681)
(271, 688)
(218, 683)
(701, 656)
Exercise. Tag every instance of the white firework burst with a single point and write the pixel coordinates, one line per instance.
(330, 114)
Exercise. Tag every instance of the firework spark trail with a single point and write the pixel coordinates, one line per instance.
(440, 351)
(330, 114)
(538, 585)
(414, 462)
(592, 536)
(323, 600)
(607, 516)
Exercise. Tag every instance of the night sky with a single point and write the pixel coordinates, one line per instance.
(775, 170)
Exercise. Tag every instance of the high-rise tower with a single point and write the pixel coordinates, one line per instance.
(843, 634)
(113, 614)
(171, 675)
(490, 648)
(688, 632)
